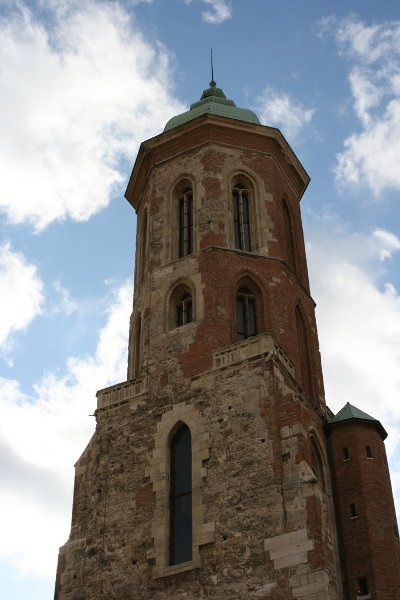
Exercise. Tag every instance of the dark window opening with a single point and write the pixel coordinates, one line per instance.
(289, 237)
(346, 455)
(363, 589)
(305, 362)
(138, 350)
(317, 464)
(143, 260)
(241, 218)
(246, 313)
(353, 510)
(184, 310)
(180, 547)
(186, 224)
(368, 451)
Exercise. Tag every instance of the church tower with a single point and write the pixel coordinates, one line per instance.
(208, 475)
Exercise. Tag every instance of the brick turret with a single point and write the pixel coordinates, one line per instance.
(367, 522)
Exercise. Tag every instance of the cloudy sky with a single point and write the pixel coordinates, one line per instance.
(82, 82)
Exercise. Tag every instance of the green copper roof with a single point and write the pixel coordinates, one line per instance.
(213, 101)
(350, 412)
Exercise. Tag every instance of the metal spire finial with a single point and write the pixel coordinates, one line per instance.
(212, 82)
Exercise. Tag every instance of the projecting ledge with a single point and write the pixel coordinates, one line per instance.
(262, 344)
(121, 392)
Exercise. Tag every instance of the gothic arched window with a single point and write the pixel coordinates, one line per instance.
(304, 352)
(143, 246)
(185, 213)
(289, 235)
(317, 463)
(180, 534)
(245, 313)
(241, 217)
(137, 365)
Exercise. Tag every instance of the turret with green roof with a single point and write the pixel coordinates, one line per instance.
(350, 413)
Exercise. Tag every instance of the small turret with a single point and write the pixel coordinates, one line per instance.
(366, 517)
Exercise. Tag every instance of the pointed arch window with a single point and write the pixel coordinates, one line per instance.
(137, 366)
(180, 544)
(305, 363)
(289, 235)
(317, 464)
(245, 313)
(143, 248)
(241, 217)
(185, 208)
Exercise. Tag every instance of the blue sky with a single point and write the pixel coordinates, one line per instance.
(81, 84)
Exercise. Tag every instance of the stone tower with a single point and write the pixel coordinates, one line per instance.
(208, 475)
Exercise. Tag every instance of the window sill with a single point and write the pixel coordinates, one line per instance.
(176, 569)
(365, 597)
(352, 518)
(185, 327)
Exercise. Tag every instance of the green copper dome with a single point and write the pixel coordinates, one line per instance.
(213, 101)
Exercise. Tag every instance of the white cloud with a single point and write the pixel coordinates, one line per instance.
(41, 438)
(75, 99)
(21, 293)
(66, 304)
(358, 317)
(284, 111)
(370, 156)
(219, 12)
(358, 314)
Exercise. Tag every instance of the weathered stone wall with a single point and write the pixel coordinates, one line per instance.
(263, 526)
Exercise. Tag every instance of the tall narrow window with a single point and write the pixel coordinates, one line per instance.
(289, 236)
(184, 310)
(138, 349)
(302, 339)
(185, 223)
(245, 313)
(143, 248)
(180, 547)
(363, 588)
(317, 464)
(241, 217)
